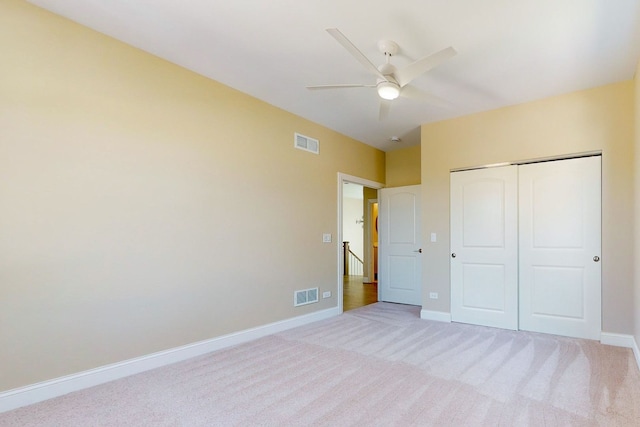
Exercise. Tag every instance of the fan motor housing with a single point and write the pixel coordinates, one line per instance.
(388, 70)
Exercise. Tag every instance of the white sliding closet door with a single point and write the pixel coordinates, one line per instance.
(560, 272)
(484, 247)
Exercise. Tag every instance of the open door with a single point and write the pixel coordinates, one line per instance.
(400, 251)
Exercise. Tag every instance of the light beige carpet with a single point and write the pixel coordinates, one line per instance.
(376, 366)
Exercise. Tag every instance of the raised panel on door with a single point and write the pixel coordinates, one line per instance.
(484, 263)
(559, 237)
(399, 232)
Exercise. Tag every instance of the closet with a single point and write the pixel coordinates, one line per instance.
(525, 247)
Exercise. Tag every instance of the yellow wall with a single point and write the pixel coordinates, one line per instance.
(596, 119)
(145, 207)
(403, 167)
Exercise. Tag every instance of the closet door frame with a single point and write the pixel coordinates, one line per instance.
(589, 325)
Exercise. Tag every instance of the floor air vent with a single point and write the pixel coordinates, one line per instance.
(307, 144)
(306, 296)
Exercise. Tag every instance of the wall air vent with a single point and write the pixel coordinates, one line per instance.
(305, 296)
(307, 144)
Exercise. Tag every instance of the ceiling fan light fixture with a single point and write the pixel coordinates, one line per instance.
(388, 90)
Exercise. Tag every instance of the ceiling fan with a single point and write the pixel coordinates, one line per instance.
(391, 82)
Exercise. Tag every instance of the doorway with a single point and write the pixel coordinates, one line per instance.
(357, 237)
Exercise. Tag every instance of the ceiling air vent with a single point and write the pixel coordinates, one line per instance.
(307, 144)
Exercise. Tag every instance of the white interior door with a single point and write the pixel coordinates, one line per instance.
(400, 266)
(484, 247)
(560, 272)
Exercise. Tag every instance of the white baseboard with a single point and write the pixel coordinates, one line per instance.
(438, 316)
(38, 392)
(617, 340)
(621, 340)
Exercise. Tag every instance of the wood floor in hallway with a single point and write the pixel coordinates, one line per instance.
(357, 294)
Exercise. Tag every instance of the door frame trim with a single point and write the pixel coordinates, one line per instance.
(342, 178)
(529, 161)
(370, 274)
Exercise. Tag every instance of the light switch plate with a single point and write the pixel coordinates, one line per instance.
(326, 238)
(433, 295)
(434, 237)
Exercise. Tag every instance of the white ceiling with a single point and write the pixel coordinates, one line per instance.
(509, 51)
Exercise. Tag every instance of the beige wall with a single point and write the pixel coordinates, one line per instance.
(596, 119)
(146, 207)
(403, 167)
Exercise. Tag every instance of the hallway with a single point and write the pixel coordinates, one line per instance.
(357, 294)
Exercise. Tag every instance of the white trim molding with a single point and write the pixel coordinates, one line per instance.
(621, 340)
(438, 316)
(38, 392)
(617, 340)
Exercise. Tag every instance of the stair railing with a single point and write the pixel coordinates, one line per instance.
(353, 265)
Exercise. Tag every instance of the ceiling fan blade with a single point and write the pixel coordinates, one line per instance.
(421, 66)
(385, 106)
(353, 50)
(415, 93)
(341, 86)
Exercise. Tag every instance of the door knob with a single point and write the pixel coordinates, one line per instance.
(596, 258)
(419, 251)
(453, 255)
